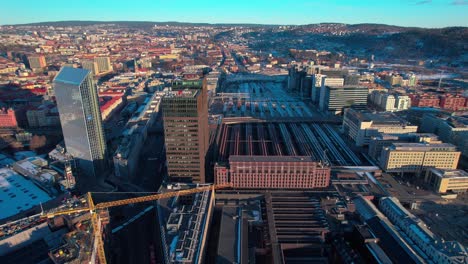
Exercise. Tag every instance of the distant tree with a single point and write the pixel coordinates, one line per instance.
(37, 142)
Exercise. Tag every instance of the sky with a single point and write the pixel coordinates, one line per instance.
(419, 13)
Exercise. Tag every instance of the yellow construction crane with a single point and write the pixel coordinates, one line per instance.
(93, 208)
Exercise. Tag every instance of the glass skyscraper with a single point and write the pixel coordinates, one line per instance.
(80, 117)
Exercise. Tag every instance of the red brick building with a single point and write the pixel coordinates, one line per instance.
(8, 118)
(276, 172)
(452, 102)
(424, 100)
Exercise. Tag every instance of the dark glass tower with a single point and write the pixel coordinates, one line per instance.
(80, 117)
(185, 114)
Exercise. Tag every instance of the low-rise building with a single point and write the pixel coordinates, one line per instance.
(443, 180)
(377, 143)
(450, 129)
(18, 193)
(424, 241)
(283, 172)
(361, 126)
(128, 153)
(8, 118)
(453, 102)
(418, 157)
(184, 223)
(45, 115)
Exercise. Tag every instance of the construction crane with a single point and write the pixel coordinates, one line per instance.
(94, 208)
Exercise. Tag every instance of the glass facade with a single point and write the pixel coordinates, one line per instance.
(80, 117)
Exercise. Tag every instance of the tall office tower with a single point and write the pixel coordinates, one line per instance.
(90, 65)
(80, 117)
(185, 115)
(37, 62)
(103, 64)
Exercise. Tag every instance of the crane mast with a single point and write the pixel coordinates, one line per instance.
(93, 208)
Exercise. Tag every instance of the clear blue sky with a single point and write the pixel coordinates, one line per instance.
(421, 13)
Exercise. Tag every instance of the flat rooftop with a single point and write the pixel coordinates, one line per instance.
(271, 159)
(74, 76)
(186, 93)
(229, 236)
(378, 117)
(450, 173)
(18, 194)
(423, 147)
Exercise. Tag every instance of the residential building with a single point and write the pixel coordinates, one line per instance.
(185, 115)
(90, 65)
(444, 180)
(424, 100)
(8, 118)
(45, 115)
(318, 82)
(80, 117)
(103, 64)
(403, 102)
(418, 157)
(394, 80)
(283, 172)
(453, 102)
(37, 62)
(361, 126)
(335, 99)
(388, 102)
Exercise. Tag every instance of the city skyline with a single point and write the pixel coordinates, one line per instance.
(410, 13)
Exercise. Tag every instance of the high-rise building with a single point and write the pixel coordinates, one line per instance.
(103, 64)
(185, 115)
(80, 117)
(90, 65)
(37, 62)
(335, 99)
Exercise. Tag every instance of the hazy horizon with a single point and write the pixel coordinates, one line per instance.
(406, 13)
